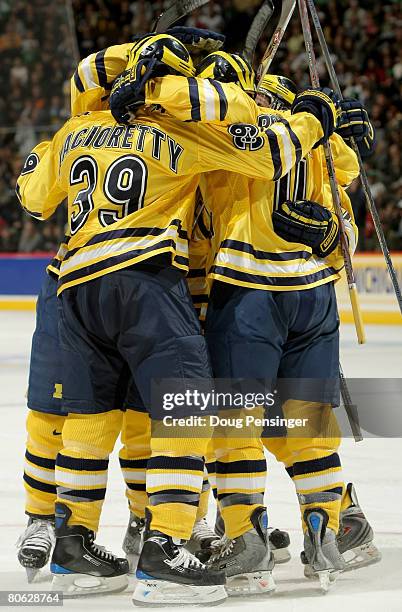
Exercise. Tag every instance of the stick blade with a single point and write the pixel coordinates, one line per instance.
(176, 11)
(257, 29)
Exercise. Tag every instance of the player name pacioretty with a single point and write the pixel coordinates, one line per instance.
(121, 137)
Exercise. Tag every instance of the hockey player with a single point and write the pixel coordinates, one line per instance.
(44, 426)
(90, 160)
(45, 418)
(355, 535)
(234, 272)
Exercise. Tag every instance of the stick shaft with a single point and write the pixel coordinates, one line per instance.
(366, 187)
(332, 181)
(288, 7)
(350, 408)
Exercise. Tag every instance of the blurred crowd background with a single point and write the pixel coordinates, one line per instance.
(41, 42)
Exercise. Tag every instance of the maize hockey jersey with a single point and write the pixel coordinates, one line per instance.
(131, 189)
(245, 249)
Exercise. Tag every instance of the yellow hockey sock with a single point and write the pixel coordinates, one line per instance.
(82, 464)
(44, 441)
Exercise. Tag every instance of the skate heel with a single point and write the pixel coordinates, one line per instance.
(80, 585)
(160, 593)
(251, 584)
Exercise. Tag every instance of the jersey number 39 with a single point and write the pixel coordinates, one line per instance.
(125, 184)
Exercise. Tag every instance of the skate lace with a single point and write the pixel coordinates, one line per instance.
(39, 534)
(100, 551)
(202, 530)
(185, 559)
(225, 546)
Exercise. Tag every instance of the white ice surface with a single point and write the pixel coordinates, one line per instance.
(374, 466)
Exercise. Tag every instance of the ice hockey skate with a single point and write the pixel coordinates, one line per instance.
(320, 548)
(132, 542)
(204, 541)
(354, 539)
(79, 566)
(247, 560)
(35, 545)
(168, 574)
(279, 540)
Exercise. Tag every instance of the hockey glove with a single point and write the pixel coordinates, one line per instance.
(354, 122)
(128, 91)
(308, 223)
(197, 40)
(322, 103)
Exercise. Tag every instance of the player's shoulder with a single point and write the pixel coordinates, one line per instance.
(99, 117)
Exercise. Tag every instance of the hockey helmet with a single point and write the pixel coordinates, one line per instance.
(279, 91)
(171, 55)
(228, 68)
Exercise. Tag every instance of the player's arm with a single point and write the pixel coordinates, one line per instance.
(92, 81)
(345, 161)
(267, 155)
(201, 100)
(38, 188)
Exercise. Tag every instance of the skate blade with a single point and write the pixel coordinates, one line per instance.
(31, 574)
(132, 563)
(82, 585)
(255, 583)
(281, 555)
(160, 593)
(327, 579)
(361, 556)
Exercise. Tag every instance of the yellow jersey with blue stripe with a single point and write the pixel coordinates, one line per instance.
(131, 189)
(245, 249)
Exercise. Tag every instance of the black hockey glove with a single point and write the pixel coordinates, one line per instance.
(198, 40)
(323, 103)
(128, 91)
(309, 223)
(354, 122)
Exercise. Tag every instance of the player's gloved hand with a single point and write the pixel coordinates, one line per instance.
(354, 122)
(195, 39)
(198, 40)
(309, 223)
(323, 103)
(128, 91)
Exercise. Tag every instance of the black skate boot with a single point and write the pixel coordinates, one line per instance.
(132, 542)
(168, 574)
(279, 540)
(247, 560)
(35, 545)
(79, 566)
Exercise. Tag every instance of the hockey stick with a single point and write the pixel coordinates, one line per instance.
(354, 299)
(176, 11)
(350, 408)
(288, 6)
(257, 29)
(366, 187)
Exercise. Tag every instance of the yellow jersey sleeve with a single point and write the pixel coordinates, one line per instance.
(37, 188)
(266, 155)
(93, 79)
(203, 100)
(345, 161)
